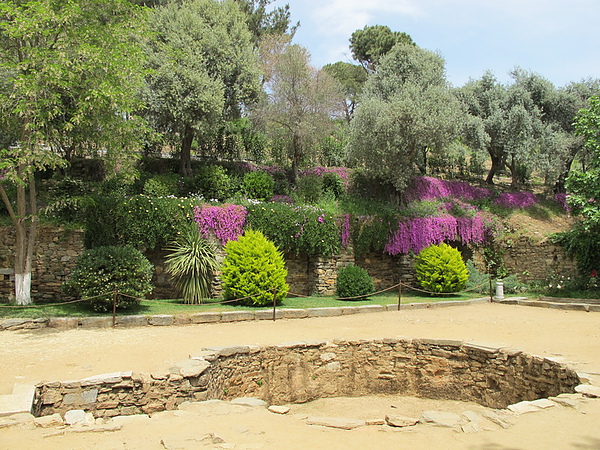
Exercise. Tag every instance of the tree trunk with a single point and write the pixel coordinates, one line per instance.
(185, 167)
(297, 149)
(497, 164)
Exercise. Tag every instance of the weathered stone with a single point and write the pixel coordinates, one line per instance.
(74, 416)
(53, 420)
(189, 367)
(161, 320)
(63, 322)
(96, 322)
(440, 418)
(568, 402)
(335, 422)
(470, 427)
(107, 378)
(132, 321)
(279, 409)
(236, 316)
(543, 403)
(81, 398)
(323, 312)
(207, 317)
(16, 420)
(523, 407)
(249, 401)
(588, 390)
(294, 313)
(400, 421)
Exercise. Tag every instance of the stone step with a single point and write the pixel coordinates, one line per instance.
(20, 401)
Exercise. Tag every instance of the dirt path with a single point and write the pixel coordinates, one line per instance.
(51, 355)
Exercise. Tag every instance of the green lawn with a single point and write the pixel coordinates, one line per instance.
(152, 307)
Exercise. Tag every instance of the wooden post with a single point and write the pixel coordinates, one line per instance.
(274, 303)
(114, 308)
(399, 295)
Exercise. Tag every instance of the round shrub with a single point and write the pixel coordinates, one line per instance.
(103, 270)
(252, 269)
(259, 185)
(333, 183)
(212, 182)
(440, 268)
(354, 281)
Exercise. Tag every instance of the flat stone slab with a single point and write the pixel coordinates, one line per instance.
(63, 322)
(290, 313)
(323, 312)
(400, 421)
(523, 407)
(279, 409)
(20, 401)
(189, 367)
(440, 418)
(96, 322)
(207, 317)
(236, 316)
(161, 320)
(588, 390)
(543, 403)
(132, 321)
(54, 420)
(336, 422)
(249, 401)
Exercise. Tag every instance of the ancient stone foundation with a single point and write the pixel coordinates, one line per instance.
(304, 371)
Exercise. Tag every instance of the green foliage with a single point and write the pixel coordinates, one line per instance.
(212, 182)
(253, 271)
(333, 184)
(259, 185)
(373, 42)
(104, 270)
(309, 189)
(371, 234)
(406, 109)
(191, 263)
(302, 230)
(161, 185)
(140, 221)
(582, 244)
(354, 282)
(478, 282)
(441, 269)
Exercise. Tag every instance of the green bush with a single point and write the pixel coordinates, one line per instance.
(309, 189)
(104, 270)
(333, 184)
(441, 269)
(140, 221)
(212, 182)
(354, 282)
(259, 185)
(161, 185)
(478, 282)
(252, 269)
(300, 229)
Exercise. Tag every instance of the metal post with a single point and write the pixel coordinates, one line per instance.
(399, 295)
(114, 308)
(274, 303)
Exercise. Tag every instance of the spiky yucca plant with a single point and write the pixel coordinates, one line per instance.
(191, 263)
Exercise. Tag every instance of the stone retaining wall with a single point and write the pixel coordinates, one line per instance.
(304, 371)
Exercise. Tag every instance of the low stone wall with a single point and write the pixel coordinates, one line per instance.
(304, 371)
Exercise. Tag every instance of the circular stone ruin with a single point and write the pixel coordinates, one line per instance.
(304, 371)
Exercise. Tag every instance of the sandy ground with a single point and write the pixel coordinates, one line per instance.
(32, 356)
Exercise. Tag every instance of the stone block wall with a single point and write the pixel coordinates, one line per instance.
(304, 371)
(57, 250)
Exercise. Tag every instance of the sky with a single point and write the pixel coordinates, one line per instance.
(558, 39)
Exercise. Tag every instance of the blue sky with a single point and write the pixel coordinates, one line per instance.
(559, 39)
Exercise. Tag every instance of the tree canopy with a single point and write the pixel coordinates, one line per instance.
(372, 43)
(204, 69)
(406, 110)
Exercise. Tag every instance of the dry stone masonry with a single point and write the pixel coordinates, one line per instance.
(305, 371)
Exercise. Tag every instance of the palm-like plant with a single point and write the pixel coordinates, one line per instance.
(191, 263)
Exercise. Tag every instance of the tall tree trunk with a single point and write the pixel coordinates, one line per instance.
(297, 149)
(185, 166)
(497, 163)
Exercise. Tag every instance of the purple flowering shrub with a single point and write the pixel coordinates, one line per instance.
(428, 188)
(226, 221)
(417, 233)
(561, 200)
(516, 200)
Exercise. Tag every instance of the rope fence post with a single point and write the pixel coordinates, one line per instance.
(399, 295)
(114, 308)
(274, 303)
